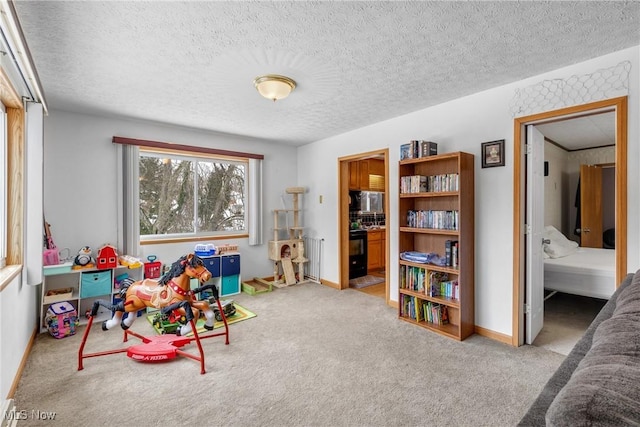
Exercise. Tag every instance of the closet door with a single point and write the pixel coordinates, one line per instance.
(590, 206)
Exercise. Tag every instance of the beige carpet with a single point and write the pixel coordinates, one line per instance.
(314, 356)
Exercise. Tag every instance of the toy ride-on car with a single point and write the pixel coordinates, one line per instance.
(227, 307)
(168, 323)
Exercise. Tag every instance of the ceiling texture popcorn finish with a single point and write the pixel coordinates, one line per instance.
(355, 63)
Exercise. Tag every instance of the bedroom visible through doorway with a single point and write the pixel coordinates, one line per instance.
(564, 217)
(575, 262)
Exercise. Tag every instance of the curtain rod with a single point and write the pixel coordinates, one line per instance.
(182, 147)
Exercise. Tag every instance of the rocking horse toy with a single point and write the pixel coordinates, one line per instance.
(171, 293)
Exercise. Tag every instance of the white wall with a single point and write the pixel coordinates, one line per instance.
(556, 187)
(81, 192)
(461, 125)
(18, 319)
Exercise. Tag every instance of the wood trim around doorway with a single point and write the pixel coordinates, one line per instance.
(619, 105)
(343, 216)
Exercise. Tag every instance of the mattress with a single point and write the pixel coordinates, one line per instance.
(589, 272)
(585, 261)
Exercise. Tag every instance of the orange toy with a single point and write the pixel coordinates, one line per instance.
(171, 292)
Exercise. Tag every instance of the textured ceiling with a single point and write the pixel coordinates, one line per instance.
(356, 63)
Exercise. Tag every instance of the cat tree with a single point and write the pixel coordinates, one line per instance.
(287, 247)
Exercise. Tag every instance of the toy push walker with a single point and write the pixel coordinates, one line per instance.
(162, 347)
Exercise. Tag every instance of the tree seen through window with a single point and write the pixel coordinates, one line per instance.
(189, 195)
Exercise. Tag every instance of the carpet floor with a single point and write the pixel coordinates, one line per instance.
(314, 356)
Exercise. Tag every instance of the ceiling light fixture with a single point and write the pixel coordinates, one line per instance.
(273, 86)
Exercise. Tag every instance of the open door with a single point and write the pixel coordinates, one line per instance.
(591, 206)
(521, 298)
(534, 302)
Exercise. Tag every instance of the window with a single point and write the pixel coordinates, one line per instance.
(191, 195)
(173, 192)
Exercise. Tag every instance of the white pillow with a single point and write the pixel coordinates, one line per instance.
(559, 245)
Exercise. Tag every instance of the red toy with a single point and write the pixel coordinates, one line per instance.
(171, 292)
(152, 268)
(107, 258)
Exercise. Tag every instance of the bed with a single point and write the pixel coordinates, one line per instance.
(568, 268)
(588, 272)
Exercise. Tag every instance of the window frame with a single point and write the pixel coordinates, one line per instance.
(4, 188)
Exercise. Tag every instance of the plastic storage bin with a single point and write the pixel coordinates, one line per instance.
(230, 265)
(213, 265)
(95, 283)
(230, 285)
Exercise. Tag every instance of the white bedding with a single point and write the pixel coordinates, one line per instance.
(588, 272)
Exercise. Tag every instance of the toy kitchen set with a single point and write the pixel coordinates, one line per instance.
(366, 232)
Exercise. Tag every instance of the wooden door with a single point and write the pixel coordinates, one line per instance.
(375, 250)
(590, 206)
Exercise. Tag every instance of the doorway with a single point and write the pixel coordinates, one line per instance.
(521, 289)
(347, 184)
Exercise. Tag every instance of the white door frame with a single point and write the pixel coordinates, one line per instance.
(619, 105)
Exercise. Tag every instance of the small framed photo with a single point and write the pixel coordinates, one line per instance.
(492, 153)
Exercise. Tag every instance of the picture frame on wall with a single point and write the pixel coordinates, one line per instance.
(492, 153)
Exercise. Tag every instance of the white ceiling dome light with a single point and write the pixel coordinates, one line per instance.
(274, 86)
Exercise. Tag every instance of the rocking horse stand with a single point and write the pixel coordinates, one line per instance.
(162, 347)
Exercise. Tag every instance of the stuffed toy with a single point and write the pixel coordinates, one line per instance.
(84, 258)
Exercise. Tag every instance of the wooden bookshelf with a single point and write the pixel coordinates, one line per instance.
(433, 211)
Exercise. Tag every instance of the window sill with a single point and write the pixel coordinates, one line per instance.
(192, 239)
(8, 273)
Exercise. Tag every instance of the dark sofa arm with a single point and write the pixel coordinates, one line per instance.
(535, 416)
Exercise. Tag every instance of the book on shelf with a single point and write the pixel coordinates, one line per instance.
(444, 316)
(435, 280)
(413, 184)
(439, 220)
(429, 184)
(412, 278)
(419, 312)
(418, 148)
(427, 148)
(454, 254)
(406, 151)
(446, 289)
(435, 313)
(447, 252)
(408, 306)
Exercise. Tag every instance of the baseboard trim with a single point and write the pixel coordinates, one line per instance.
(330, 284)
(496, 336)
(23, 362)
